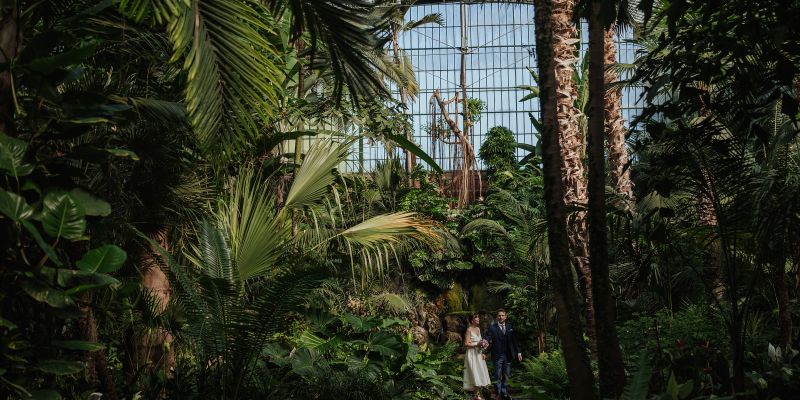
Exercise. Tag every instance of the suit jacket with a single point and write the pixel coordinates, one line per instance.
(502, 343)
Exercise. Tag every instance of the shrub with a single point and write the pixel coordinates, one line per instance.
(498, 151)
(692, 345)
(545, 376)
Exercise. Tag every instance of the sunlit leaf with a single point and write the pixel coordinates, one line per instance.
(12, 156)
(14, 206)
(62, 217)
(78, 345)
(91, 205)
(105, 259)
(60, 367)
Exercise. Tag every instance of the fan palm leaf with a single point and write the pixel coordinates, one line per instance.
(256, 230)
(212, 253)
(314, 178)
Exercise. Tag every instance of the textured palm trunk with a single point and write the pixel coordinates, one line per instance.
(9, 37)
(569, 326)
(779, 279)
(609, 361)
(572, 152)
(712, 260)
(615, 126)
(97, 371)
(154, 348)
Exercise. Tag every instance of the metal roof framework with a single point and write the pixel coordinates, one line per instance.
(497, 41)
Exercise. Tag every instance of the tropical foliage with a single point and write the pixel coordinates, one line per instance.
(178, 218)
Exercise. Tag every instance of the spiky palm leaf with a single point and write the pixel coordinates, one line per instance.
(232, 70)
(313, 180)
(231, 67)
(348, 32)
(387, 228)
(256, 231)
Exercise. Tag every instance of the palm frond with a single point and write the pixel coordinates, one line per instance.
(159, 11)
(315, 175)
(212, 254)
(232, 75)
(282, 296)
(388, 228)
(256, 230)
(399, 73)
(348, 32)
(164, 112)
(394, 301)
(481, 225)
(435, 18)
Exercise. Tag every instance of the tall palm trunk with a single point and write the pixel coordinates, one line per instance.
(9, 38)
(780, 279)
(154, 348)
(572, 151)
(615, 127)
(98, 374)
(609, 360)
(569, 326)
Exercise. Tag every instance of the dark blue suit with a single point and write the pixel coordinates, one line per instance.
(504, 349)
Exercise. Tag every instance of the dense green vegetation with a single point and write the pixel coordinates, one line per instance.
(164, 236)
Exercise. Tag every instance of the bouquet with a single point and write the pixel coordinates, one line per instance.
(483, 345)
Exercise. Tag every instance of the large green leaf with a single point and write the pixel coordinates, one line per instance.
(44, 394)
(12, 156)
(385, 343)
(14, 206)
(46, 294)
(4, 323)
(74, 281)
(60, 367)
(62, 216)
(105, 259)
(48, 250)
(78, 345)
(91, 205)
(70, 57)
(412, 147)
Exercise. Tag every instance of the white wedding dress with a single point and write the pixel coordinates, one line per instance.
(476, 374)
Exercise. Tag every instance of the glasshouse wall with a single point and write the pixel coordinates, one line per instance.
(497, 41)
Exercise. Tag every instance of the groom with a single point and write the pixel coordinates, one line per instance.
(504, 349)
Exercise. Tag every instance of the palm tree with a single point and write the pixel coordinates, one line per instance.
(247, 273)
(573, 109)
(233, 68)
(618, 161)
(612, 370)
(573, 151)
(554, 18)
(725, 142)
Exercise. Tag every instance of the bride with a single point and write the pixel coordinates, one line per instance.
(476, 375)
